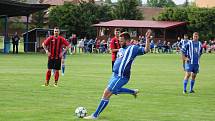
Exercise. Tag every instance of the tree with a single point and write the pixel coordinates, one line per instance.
(160, 3)
(199, 19)
(108, 1)
(186, 3)
(127, 9)
(80, 18)
(38, 19)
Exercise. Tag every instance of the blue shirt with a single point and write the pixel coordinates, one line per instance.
(193, 50)
(125, 57)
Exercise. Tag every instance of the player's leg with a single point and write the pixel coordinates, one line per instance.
(116, 87)
(56, 77)
(102, 105)
(104, 102)
(186, 78)
(63, 65)
(57, 67)
(105, 98)
(48, 72)
(48, 75)
(192, 81)
(188, 70)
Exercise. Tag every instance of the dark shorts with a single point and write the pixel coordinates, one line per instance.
(54, 64)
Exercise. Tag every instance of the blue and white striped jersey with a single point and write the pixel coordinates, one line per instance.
(183, 42)
(125, 57)
(193, 50)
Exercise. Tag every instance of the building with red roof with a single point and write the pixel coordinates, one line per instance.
(162, 30)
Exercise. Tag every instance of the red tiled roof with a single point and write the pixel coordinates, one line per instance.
(140, 24)
(54, 2)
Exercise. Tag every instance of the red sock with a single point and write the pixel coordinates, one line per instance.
(48, 75)
(56, 76)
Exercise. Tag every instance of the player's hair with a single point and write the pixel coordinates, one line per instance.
(195, 33)
(117, 29)
(126, 36)
(56, 27)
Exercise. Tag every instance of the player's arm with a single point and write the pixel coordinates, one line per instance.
(45, 43)
(147, 46)
(184, 52)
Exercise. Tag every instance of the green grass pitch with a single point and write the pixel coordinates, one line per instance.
(159, 78)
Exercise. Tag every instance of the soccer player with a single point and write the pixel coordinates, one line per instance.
(121, 71)
(63, 62)
(53, 47)
(191, 53)
(114, 46)
(182, 43)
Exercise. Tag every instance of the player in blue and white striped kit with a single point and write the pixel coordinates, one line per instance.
(192, 52)
(182, 43)
(121, 71)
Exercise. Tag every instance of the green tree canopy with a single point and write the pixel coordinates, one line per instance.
(79, 18)
(198, 19)
(160, 3)
(127, 9)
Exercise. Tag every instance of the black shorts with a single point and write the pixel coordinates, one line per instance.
(54, 64)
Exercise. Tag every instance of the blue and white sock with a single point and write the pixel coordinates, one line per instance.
(101, 107)
(185, 85)
(192, 82)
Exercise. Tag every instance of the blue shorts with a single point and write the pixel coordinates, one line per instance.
(192, 68)
(116, 83)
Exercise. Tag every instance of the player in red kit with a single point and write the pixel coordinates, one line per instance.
(53, 47)
(114, 45)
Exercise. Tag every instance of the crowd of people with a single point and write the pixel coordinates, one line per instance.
(85, 45)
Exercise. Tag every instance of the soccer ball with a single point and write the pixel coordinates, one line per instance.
(80, 112)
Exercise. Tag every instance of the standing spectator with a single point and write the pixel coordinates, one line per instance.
(53, 47)
(103, 46)
(169, 47)
(74, 41)
(159, 46)
(152, 45)
(114, 46)
(81, 46)
(98, 46)
(164, 47)
(15, 41)
(204, 46)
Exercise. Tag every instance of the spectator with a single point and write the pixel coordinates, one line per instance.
(73, 41)
(81, 46)
(160, 46)
(15, 41)
(204, 46)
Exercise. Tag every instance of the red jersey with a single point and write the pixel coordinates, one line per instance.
(114, 44)
(55, 46)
